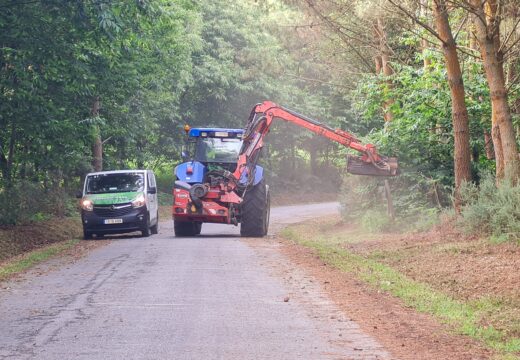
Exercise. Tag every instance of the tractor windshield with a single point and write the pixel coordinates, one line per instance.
(220, 150)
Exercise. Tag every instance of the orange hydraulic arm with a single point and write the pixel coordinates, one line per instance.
(259, 123)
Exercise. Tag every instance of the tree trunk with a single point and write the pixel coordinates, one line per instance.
(423, 13)
(383, 65)
(379, 64)
(10, 155)
(459, 112)
(488, 145)
(3, 162)
(97, 147)
(488, 141)
(512, 78)
(497, 145)
(487, 32)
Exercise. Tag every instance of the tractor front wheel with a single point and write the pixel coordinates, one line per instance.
(255, 211)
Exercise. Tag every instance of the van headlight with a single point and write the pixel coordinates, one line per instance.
(139, 201)
(87, 204)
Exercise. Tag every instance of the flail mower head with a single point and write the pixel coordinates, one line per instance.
(386, 166)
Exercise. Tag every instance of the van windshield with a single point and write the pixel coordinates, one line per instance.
(114, 183)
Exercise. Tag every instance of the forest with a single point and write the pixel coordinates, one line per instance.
(98, 84)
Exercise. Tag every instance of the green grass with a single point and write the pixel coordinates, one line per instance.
(463, 317)
(34, 257)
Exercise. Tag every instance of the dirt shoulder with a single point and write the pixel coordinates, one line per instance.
(478, 278)
(19, 239)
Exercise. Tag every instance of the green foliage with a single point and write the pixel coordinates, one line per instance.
(153, 65)
(27, 202)
(491, 211)
(421, 133)
(416, 204)
(164, 178)
(375, 221)
(165, 199)
(360, 195)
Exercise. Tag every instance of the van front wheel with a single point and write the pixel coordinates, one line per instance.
(155, 228)
(87, 235)
(146, 230)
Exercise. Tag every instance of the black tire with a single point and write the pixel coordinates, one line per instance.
(198, 228)
(155, 228)
(87, 235)
(186, 228)
(255, 211)
(145, 232)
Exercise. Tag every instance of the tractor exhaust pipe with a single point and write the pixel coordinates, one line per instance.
(387, 166)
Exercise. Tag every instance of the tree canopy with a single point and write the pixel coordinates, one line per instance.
(90, 84)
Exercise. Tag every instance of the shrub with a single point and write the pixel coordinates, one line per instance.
(375, 221)
(363, 198)
(360, 194)
(165, 199)
(491, 211)
(164, 179)
(28, 201)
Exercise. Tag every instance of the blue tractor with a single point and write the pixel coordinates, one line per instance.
(220, 181)
(206, 190)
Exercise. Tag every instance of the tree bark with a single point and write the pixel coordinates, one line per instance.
(97, 146)
(379, 64)
(497, 146)
(3, 162)
(462, 153)
(385, 67)
(10, 156)
(488, 145)
(423, 13)
(487, 32)
(488, 141)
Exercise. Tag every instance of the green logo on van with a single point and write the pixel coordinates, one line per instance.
(113, 198)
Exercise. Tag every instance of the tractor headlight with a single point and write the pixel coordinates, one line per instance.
(87, 205)
(139, 201)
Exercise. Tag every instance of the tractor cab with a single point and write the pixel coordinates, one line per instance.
(209, 149)
(215, 146)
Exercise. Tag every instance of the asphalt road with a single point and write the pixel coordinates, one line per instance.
(214, 296)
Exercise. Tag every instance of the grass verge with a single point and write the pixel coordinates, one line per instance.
(34, 257)
(464, 317)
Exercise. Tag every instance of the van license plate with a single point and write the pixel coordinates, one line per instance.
(113, 221)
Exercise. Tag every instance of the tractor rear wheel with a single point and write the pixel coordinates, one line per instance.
(186, 228)
(255, 211)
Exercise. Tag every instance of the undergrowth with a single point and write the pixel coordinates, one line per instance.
(27, 202)
(34, 257)
(465, 317)
(491, 211)
(363, 201)
(487, 211)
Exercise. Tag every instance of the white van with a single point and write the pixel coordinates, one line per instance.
(119, 202)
